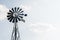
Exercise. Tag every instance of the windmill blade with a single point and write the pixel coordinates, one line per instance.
(17, 8)
(20, 16)
(11, 19)
(19, 19)
(12, 9)
(8, 13)
(20, 10)
(8, 16)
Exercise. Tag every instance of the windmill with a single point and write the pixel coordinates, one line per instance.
(14, 15)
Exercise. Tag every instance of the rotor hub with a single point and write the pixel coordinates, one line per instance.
(15, 15)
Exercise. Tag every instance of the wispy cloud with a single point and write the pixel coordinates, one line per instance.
(3, 11)
(41, 27)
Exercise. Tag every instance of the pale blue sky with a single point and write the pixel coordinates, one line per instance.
(42, 22)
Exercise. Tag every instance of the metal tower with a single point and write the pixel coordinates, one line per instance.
(15, 15)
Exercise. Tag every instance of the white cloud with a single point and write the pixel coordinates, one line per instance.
(26, 7)
(41, 27)
(3, 11)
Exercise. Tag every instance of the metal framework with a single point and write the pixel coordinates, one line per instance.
(15, 15)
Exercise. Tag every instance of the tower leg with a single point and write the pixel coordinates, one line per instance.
(15, 33)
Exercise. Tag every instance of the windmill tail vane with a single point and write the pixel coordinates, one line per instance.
(15, 15)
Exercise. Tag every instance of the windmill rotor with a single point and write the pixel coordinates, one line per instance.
(16, 14)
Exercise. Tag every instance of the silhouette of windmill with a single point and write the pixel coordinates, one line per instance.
(15, 15)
